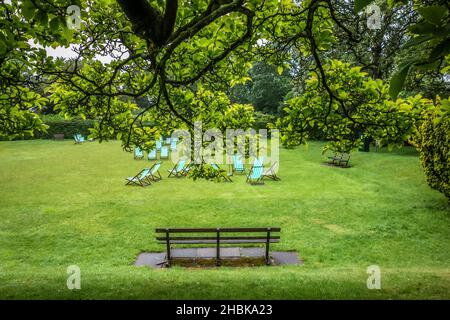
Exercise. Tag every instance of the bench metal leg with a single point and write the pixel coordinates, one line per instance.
(168, 249)
(218, 248)
(267, 246)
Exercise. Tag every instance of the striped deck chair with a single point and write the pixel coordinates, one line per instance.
(78, 138)
(238, 164)
(179, 170)
(151, 155)
(223, 173)
(154, 174)
(271, 173)
(138, 154)
(256, 175)
(141, 179)
(173, 144)
(164, 153)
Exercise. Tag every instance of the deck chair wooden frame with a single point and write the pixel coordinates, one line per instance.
(178, 172)
(238, 164)
(141, 179)
(223, 173)
(138, 154)
(271, 174)
(154, 173)
(152, 155)
(164, 152)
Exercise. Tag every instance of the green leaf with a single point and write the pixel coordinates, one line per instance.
(3, 47)
(441, 50)
(361, 4)
(423, 28)
(418, 40)
(54, 24)
(280, 70)
(28, 10)
(398, 79)
(433, 14)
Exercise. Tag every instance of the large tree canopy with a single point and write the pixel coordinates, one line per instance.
(176, 54)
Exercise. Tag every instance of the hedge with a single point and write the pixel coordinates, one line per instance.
(67, 127)
(58, 125)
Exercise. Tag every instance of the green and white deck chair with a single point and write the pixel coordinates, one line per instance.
(78, 138)
(222, 172)
(271, 173)
(138, 154)
(151, 155)
(164, 153)
(173, 144)
(256, 175)
(238, 164)
(179, 170)
(141, 179)
(258, 162)
(154, 174)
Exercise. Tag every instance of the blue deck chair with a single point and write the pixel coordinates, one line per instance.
(151, 154)
(173, 144)
(168, 141)
(238, 164)
(223, 173)
(141, 179)
(158, 145)
(138, 154)
(164, 153)
(78, 138)
(258, 162)
(256, 175)
(179, 170)
(154, 174)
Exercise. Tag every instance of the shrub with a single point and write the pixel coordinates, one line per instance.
(434, 147)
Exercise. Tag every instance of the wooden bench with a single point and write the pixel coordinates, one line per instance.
(340, 159)
(217, 237)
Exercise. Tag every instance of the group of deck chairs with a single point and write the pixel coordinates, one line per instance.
(163, 146)
(256, 174)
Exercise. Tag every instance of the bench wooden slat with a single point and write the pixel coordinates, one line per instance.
(194, 230)
(221, 238)
(224, 241)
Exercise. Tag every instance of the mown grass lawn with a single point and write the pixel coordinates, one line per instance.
(64, 204)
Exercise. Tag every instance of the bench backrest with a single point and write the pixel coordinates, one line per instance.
(217, 233)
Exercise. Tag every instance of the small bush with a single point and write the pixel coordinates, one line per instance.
(434, 146)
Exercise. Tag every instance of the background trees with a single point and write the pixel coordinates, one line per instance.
(266, 90)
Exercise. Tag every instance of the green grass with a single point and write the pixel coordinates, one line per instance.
(64, 204)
